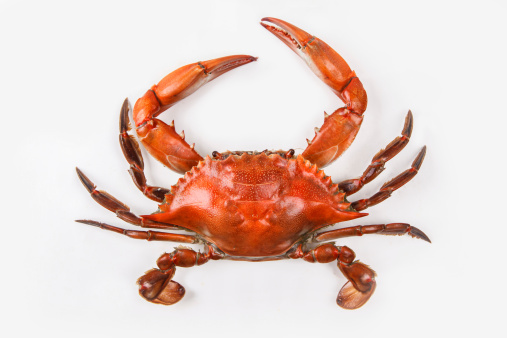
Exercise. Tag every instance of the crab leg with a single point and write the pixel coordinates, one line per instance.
(161, 139)
(157, 286)
(132, 153)
(377, 163)
(340, 128)
(120, 209)
(387, 189)
(147, 235)
(381, 229)
(361, 285)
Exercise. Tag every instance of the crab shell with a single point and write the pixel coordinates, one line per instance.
(254, 205)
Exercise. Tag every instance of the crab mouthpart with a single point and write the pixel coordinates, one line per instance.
(294, 37)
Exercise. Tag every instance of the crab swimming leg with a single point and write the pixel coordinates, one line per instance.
(157, 286)
(161, 139)
(361, 284)
(340, 128)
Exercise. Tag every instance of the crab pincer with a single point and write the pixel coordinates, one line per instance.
(160, 139)
(340, 128)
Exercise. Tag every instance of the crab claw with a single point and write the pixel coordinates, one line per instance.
(181, 83)
(161, 139)
(340, 128)
(324, 61)
(157, 287)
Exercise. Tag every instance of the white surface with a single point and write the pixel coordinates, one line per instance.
(65, 70)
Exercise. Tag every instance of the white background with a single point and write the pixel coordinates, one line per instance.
(66, 68)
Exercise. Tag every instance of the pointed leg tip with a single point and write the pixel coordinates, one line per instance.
(419, 159)
(422, 154)
(417, 233)
(85, 180)
(126, 102)
(79, 172)
(125, 107)
(88, 222)
(125, 125)
(409, 124)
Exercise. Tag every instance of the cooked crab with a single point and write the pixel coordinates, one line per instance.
(250, 205)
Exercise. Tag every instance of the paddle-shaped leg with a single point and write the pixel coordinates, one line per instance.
(361, 285)
(157, 286)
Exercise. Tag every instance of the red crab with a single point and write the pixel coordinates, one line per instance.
(249, 205)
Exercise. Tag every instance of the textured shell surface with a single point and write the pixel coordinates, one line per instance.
(254, 204)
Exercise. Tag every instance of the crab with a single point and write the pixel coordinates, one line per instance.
(255, 205)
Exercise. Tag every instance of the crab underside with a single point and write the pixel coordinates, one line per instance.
(249, 205)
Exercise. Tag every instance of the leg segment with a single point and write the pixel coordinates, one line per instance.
(361, 279)
(377, 163)
(160, 139)
(340, 128)
(381, 229)
(147, 235)
(157, 286)
(121, 210)
(387, 189)
(132, 153)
